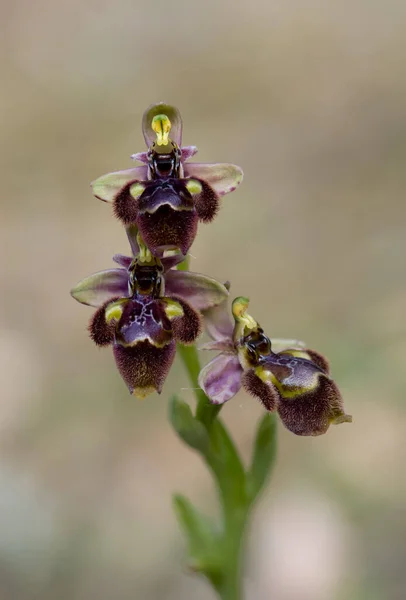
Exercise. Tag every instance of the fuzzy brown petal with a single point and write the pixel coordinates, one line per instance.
(206, 203)
(187, 328)
(312, 412)
(144, 367)
(102, 333)
(265, 392)
(168, 229)
(125, 206)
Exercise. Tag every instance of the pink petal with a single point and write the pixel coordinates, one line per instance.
(188, 152)
(100, 287)
(220, 379)
(224, 345)
(218, 322)
(141, 157)
(108, 186)
(123, 261)
(200, 291)
(222, 177)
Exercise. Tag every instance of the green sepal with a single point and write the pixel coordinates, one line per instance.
(264, 454)
(204, 543)
(109, 185)
(189, 429)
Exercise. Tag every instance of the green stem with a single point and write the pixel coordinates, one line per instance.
(231, 584)
(232, 489)
(205, 411)
(234, 514)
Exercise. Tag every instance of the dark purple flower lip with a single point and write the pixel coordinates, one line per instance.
(170, 192)
(294, 380)
(144, 367)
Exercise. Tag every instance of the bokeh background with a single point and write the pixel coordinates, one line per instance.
(309, 98)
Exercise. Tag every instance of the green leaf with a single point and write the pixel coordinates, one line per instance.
(189, 429)
(264, 455)
(227, 467)
(204, 544)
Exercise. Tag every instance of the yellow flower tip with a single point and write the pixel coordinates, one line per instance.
(239, 309)
(161, 125)
(143, 392)
(193, 186)
(240, 306)
(342, 419)
(136, 190)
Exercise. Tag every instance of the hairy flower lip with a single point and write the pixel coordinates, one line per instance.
(165, 193)
(145, 367)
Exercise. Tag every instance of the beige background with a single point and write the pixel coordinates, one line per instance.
(309, 98)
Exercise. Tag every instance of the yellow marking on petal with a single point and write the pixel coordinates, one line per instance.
(268, 377)
(114, 310)
(136, 190)
(161, 125)
(193, 186)
(142, 393)
(263, 374)
(297, 354)
(173, 309)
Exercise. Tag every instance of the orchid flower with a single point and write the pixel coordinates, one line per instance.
(144, 308)
(167, 197)
(293, 380)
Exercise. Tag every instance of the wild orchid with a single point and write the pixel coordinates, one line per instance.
(144, 308)
(167, 197)
(283, 374)
(150, 305)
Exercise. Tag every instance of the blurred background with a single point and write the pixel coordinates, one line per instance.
(309, 98)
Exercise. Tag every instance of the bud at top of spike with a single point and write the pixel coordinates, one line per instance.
(161, 125)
